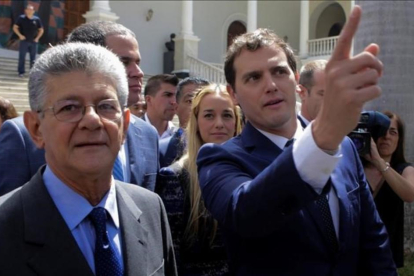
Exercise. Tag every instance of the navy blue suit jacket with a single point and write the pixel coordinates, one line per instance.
(268, 214)
(171, 148)
(20, 159)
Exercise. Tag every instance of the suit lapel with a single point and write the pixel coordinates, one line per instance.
(136, 157)
(58, 252)
(345, 225)
(134, 236)
(258, 144)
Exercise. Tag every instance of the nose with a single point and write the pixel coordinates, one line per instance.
(270, 82)
(90, 119)
(134, 71)
(219, 123)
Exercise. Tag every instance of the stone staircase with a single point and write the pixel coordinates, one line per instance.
(12, 87)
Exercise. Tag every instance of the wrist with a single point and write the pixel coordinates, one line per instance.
(385, 167)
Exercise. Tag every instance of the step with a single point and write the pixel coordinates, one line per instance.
(19, 101)
(21, 84)
(14, 89)
(17, 95)
(14, 78)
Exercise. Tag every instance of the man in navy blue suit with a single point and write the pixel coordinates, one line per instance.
(304, 209)
(138, 157)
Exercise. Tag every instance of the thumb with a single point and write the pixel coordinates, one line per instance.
(373, 49)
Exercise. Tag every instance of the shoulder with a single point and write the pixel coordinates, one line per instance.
(137, 124)
(14, 130)
(10, 205)
(143, 198)
(230, 149)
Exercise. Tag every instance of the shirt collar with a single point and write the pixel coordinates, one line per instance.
(281, 141)
(303, 118)
(72, 206)
(168, 132)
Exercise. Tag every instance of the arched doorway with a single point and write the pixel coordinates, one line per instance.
(236, 28)
(330, 21)
(335, 29)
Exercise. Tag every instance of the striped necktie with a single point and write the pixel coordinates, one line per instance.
(118, 171)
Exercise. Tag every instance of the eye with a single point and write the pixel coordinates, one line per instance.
(253, 77)
(107, 106)
(68, 108)
(281, 71)
(228, 115)
(189, 101)
(208, 116)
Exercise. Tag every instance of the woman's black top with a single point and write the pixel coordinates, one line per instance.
(391, 210)
(200, 257)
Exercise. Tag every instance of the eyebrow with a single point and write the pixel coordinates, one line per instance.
(129, 59)
(251, 73)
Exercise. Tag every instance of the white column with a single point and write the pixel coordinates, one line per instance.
(186, 43)
(187, 18)
(100, 11)
(251, 15)
(304, 28)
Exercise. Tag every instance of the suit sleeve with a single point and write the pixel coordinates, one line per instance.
(375, 253)
(248, 204)
(14, 163)
(170, 267)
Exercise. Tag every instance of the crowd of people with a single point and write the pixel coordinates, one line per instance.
(96, 179)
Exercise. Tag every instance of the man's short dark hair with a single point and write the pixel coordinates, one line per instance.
(187, 81)
(253, 41)
(96, 32)
(307, 72)
(154, 83)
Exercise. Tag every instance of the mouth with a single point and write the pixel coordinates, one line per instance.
(274, 102)
(135, 86)
(219, 134)
(90, 144)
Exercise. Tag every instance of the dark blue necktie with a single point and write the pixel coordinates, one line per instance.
(106, 259)
(329, 229)
(289, 142)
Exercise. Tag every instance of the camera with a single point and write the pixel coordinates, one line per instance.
(371, 124)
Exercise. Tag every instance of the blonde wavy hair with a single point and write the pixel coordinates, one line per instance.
(188, 161)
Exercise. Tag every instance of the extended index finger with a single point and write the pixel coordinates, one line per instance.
(344, 44)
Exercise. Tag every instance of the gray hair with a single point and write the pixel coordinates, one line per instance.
(307, 71)
(75, 57)
(190, 80)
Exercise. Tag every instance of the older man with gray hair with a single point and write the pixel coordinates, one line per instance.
(73, 217)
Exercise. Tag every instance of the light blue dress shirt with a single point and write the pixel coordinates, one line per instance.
(75, 209)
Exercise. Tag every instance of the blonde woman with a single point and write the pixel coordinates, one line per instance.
(197, 242)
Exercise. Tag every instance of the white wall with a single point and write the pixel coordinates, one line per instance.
(281, 16)
(153, 34)
(210, 26)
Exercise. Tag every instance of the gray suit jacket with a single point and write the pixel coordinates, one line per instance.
(35, 239)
